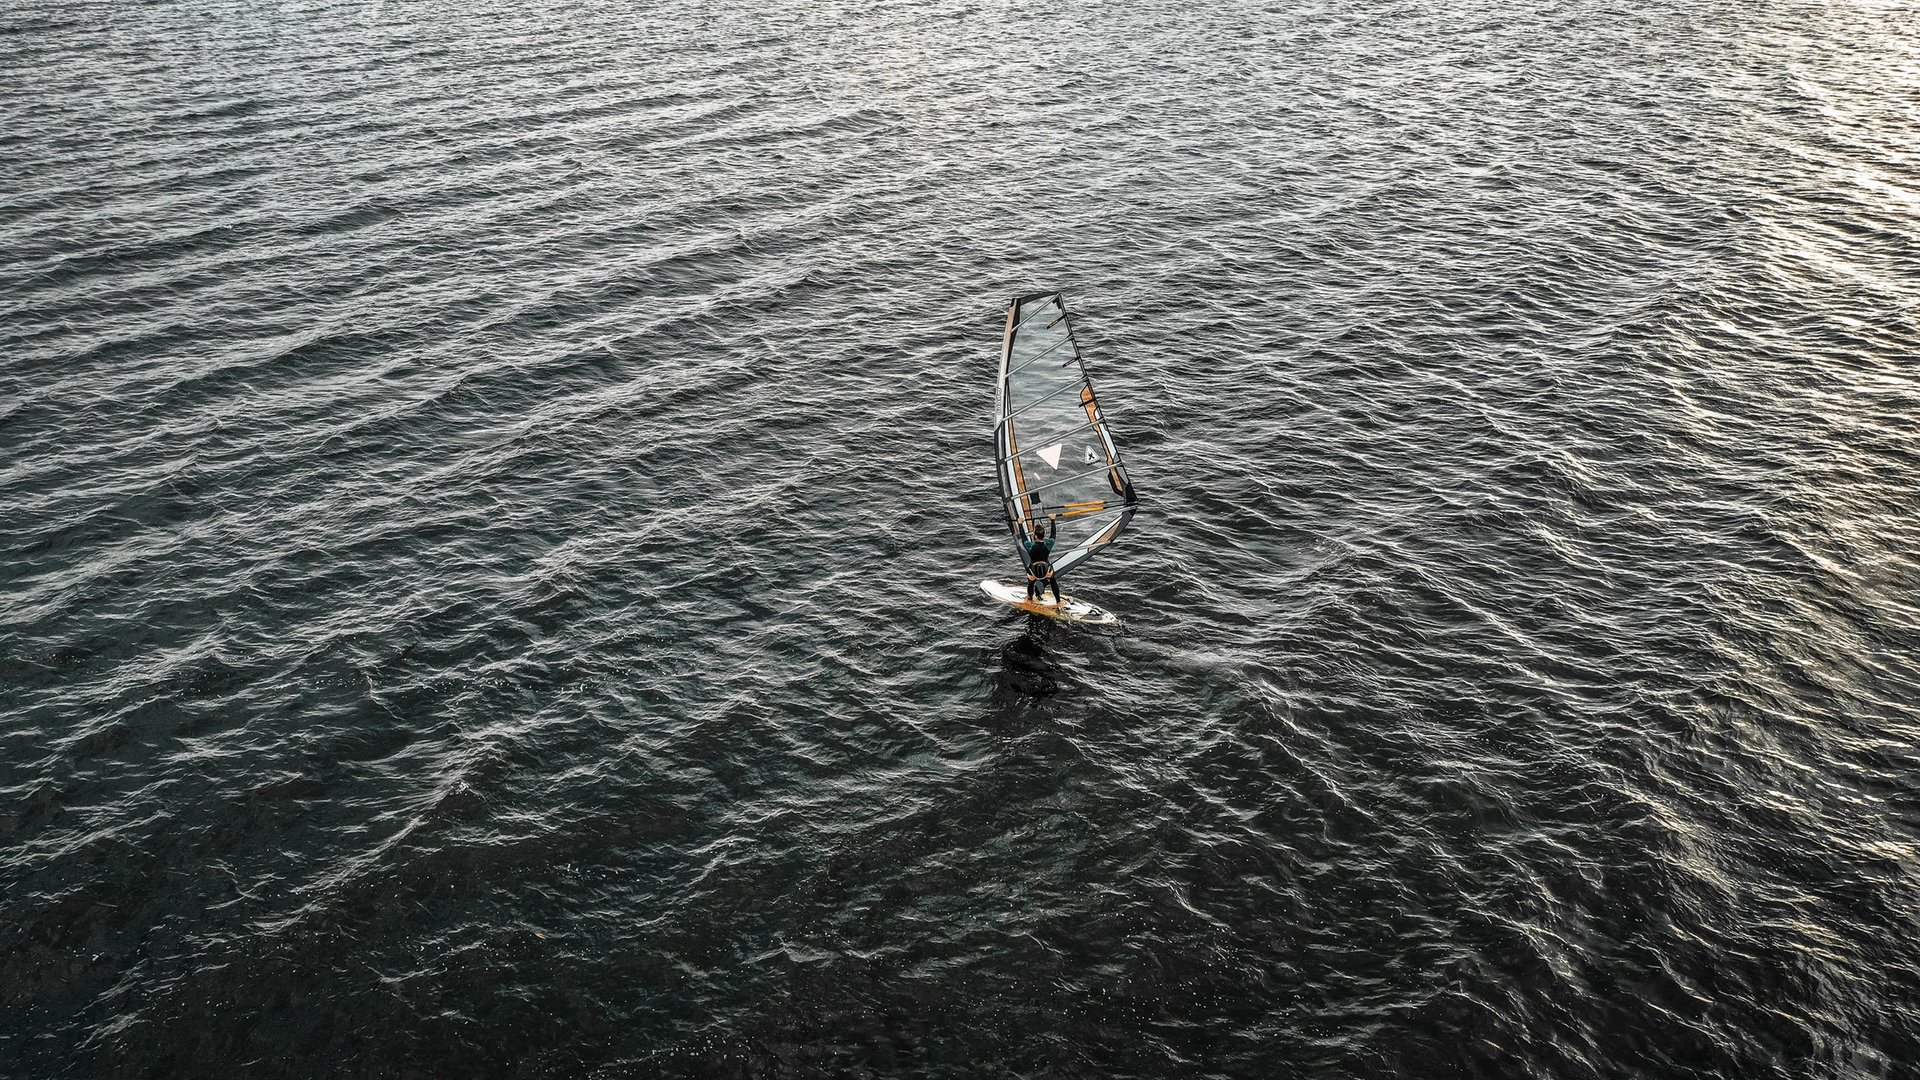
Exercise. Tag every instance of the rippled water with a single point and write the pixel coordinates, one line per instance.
(491, 498)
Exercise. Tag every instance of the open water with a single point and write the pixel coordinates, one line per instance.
(491, 497)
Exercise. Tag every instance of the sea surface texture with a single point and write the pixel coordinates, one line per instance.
(492, 499)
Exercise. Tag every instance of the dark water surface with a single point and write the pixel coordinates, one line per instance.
(491, 498)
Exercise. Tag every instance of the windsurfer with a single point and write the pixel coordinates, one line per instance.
(1040, 574)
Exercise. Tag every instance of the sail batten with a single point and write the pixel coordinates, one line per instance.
(1030, 405)
(1071, 357)
(1043, 387)
(1049, 486)
(1051, 440)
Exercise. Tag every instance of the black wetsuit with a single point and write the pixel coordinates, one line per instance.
(1040, 569)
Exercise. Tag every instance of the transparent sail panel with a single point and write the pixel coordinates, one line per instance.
(1057, 460)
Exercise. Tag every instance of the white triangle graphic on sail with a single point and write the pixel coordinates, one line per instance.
(1091, 456)
(1051, 455)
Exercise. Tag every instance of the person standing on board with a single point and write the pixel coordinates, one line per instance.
(1039, 562)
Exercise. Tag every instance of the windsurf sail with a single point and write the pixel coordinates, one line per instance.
(1057, 459)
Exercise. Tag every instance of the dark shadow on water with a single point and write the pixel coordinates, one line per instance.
(1026, 670)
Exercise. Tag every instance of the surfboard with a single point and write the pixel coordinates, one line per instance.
(1070, 609)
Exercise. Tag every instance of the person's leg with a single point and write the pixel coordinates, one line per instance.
(1055, 582)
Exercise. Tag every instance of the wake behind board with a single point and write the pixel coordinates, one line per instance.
(1070, 608)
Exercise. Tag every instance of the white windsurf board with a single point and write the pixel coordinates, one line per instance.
(1070, 608)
